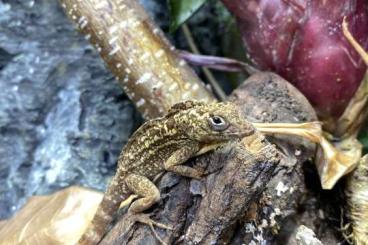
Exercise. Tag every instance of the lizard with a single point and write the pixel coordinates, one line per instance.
(189, 129)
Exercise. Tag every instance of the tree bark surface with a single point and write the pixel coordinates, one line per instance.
(137, 53)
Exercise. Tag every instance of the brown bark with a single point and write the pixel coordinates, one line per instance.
(137, 53)
(286, 202)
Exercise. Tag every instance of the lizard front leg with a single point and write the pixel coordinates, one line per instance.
(150, 195)
(179, 157)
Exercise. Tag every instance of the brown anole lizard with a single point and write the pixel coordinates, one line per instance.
(165, 144)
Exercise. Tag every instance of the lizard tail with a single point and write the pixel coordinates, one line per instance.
(115, 194)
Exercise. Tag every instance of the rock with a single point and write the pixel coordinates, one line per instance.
(63, 118)
(306, 236)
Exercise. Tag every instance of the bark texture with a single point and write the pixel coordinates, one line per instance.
(289, 199)
(137, 53)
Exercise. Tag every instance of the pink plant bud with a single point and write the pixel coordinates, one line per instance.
(302, 41)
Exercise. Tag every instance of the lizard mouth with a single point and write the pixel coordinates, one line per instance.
(242, 133)
(249, 131)
(246, 132)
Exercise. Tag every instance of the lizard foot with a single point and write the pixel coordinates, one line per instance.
(146, 219)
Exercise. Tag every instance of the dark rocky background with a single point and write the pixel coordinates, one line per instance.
(63, 117)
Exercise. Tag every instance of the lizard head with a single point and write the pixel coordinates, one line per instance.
(216, 122)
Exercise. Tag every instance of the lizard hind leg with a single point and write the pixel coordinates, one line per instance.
(149, 195)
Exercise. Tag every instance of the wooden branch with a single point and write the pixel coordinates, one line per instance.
(247, 169)
(266, 97)
(137, 53)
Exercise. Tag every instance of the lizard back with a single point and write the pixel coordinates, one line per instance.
(150, 146)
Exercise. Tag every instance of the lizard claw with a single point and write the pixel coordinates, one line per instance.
(146, 219)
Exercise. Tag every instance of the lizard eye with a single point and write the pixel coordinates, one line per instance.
(218, 123)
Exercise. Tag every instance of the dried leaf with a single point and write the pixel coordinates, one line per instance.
(60, 218)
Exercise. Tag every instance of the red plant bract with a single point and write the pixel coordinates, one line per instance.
(302, 41)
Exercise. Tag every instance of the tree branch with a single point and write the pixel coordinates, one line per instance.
(137, 53)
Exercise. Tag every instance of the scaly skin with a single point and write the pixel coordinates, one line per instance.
(165, 144)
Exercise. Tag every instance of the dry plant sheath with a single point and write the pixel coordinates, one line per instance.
(136, 51)
(333, 162)
(356, 112)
